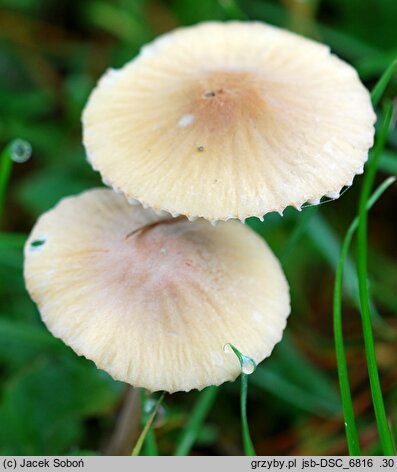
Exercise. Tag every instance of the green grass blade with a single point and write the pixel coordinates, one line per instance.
(348, 412)
(374, 65)
(299, 230)
(328, 244)
(271, 380)
(247, 367)
(385, 434)
(5, 172)
(200, 411)
(28, 335)
(233, 10)
(346, 45)
(382, 83)
(388, 162)
(247, 441)
(16, 151)
(149, 444)
(12, 240)
(138, 446)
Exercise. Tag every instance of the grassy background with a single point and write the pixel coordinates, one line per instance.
(51, 401)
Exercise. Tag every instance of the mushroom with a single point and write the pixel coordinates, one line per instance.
(153, 300)
(229, 120)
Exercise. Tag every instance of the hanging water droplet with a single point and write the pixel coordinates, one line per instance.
(227, 348)
(161, 414)
(20, 151)
(247, 364)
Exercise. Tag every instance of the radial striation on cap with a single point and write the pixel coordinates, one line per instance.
(150, 300)
(229, 120)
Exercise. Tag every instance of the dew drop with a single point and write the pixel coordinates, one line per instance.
(185, 120)
(328, 148)
(247, 364)
(227, 348)
(20, 151)
(161, 414)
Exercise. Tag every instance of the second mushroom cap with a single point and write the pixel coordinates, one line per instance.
(154, 301)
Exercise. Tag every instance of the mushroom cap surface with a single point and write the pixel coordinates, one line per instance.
(229, 120)
(154, 307)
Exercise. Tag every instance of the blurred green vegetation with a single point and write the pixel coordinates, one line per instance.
(53, 402)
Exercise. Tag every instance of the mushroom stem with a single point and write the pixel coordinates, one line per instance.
(127, 427)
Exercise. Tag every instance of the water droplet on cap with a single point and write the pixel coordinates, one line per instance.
(186, 120)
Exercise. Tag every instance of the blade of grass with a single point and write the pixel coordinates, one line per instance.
(247, 367)
(149, 445)
(347, 404)
(382, 83)
(5, 172)
(200, 411)
(247, 441)
(327, 242)
(233, 10)
(16, 151)
(373, 65)
(21, 333)
(385, 434)
(12, 240)
(348, 46)
(388, 162)
(278, 385)
(299, 230)
(138, 446)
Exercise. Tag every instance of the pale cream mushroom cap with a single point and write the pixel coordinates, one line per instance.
(229, 120)
(154, 308)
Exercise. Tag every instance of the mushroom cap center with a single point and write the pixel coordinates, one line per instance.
(164, 256)
(223, 98)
